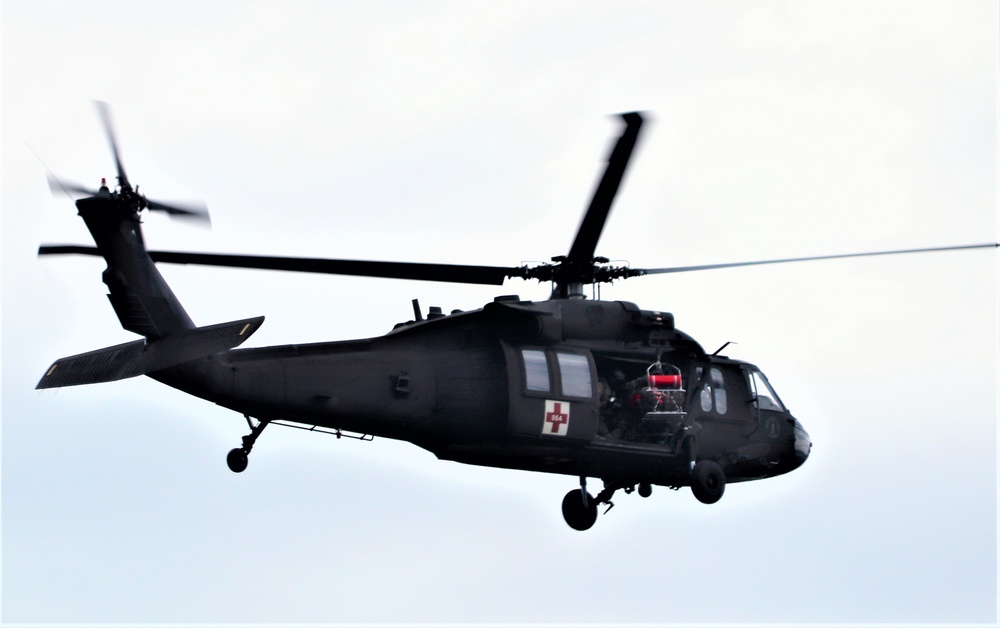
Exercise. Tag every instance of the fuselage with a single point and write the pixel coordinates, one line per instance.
(548, 386)
(570, 385)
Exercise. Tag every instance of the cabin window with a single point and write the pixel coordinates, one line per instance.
(713, 392)
(764, 394)
(536, 370)
(574, 372)
(719, 391)
(706, 395)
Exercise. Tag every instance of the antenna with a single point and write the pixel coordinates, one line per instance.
(728, 342)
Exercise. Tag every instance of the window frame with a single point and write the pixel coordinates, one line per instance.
(712, 390)
(557, 373)
(575, 360)
(774, 401)
(527, 372)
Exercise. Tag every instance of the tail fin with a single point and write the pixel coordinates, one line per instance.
(140, 296)
(140, 357)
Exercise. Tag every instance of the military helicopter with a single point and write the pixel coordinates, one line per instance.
(574, 386)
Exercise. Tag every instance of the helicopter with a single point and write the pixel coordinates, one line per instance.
(571, 385)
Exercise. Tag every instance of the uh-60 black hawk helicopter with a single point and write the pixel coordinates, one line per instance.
(581, 387)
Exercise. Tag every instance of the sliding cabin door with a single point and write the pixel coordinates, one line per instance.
(553, 393)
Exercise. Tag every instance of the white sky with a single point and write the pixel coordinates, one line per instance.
(474, 133)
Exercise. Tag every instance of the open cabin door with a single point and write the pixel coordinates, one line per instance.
(553, 393)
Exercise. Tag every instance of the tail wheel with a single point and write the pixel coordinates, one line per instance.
(239, 458)
(708, 482)
(579, 510)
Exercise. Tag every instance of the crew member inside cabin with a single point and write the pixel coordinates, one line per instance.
(617, 418)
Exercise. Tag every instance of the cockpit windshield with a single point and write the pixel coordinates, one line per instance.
(763, 393)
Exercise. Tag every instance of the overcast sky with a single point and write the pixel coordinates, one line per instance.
(474, 133)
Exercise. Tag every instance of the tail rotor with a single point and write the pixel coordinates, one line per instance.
(125, 196)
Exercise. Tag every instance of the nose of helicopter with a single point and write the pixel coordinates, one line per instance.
(802, 445)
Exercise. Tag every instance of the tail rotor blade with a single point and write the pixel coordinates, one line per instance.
(105, 112)
(190, 211)
(69, 188)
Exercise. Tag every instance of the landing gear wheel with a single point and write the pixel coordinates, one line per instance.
(237, 460)
(576, 514)
(645, 490)
(708, 482)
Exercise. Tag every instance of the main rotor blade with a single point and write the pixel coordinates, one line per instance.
(685, 269)
(590, 229)
(452, 273)
(105, 112)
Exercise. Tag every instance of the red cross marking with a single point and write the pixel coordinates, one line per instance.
(556, 418)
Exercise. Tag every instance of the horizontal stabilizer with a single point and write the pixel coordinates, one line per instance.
(145, 356)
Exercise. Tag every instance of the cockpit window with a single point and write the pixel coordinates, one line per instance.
(536, 370)
(764, 394)
(574, 371)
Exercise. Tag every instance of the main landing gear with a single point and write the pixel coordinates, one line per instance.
(579, 508)
(708, 482)
(238, 458)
